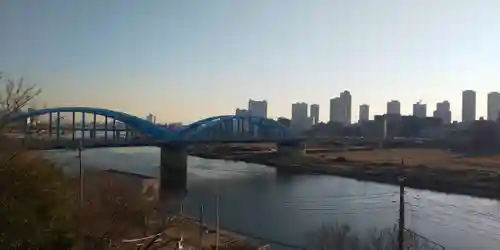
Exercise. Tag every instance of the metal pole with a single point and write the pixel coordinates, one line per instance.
(218, 225)
(114, 129)
(401, 214)
(83, 125)
(58, 125)
(73, 125)
(80, 148)
(126, 132)
(201, 227)
(106, 128)
(50, 124)
(94, 126)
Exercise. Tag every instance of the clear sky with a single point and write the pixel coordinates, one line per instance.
(187, 59)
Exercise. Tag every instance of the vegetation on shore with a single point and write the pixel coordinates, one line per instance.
(40, 206)
(342, 237)
(431, 169)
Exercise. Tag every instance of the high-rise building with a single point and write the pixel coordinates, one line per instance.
(314, 114)
(419, 110)
(493, 105)
(468, 106)
(336, 110)
(346, 102)
(340, 108)
(242, 112)
(364, 113)
(443, 111)
(150, 118)
(394, 108)
(257, 108)
(300, 120)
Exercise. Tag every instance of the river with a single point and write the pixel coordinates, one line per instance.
(257, 201)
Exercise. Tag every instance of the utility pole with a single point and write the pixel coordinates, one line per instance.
(401, 228)
(201, 227)
(218, 226)
(80, 148)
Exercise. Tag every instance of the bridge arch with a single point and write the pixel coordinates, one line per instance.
(265, 125)
(143, 126)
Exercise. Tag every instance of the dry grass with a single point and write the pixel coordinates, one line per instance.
(418, 157)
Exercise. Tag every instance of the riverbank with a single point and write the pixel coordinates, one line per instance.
(143, 194)
(430, 169)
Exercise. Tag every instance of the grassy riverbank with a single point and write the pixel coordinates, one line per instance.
(430, 169)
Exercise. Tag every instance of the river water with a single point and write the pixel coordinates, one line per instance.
(257, 201)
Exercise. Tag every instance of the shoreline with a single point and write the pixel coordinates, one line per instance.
(471, 182)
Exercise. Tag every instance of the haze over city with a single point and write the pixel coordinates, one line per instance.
(184, 60)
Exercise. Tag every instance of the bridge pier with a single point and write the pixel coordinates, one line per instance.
(173, 167)
(289, 149)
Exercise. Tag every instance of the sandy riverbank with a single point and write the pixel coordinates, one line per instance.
(431, 169)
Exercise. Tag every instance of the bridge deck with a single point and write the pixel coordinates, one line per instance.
(44, 144)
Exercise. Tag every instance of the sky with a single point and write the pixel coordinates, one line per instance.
(184, 60)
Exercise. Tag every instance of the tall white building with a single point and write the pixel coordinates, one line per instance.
(336, 110)
(150, 118)
(257, 108)
(364, 113)
(347, 102)
(394, 108)
(340, 108)
(419, 110)
(493, 105)
(314, 114)
(300, 121)
(468, 106)
(443, 111)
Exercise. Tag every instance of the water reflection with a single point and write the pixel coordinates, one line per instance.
(256, 200)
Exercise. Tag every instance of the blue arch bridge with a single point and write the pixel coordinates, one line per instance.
(129, 130)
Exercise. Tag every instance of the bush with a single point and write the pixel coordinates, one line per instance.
(341, 237)
(36, 204)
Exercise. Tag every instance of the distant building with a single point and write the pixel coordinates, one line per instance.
(314, 114)
(493, 106)
(420, 110)
(394, 108)
(364, 113)
(340, 108)
(151, 118)
(257, 108)
(242, 112)
(347, 103)
(443, 112)
(336, 110)
(300, 120)
(468, 106)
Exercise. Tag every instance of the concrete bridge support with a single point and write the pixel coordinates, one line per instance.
(290, 149)
(173, 168)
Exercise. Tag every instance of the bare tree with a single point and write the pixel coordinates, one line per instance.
(15, 97)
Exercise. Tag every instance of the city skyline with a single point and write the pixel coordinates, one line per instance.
(183, 61)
